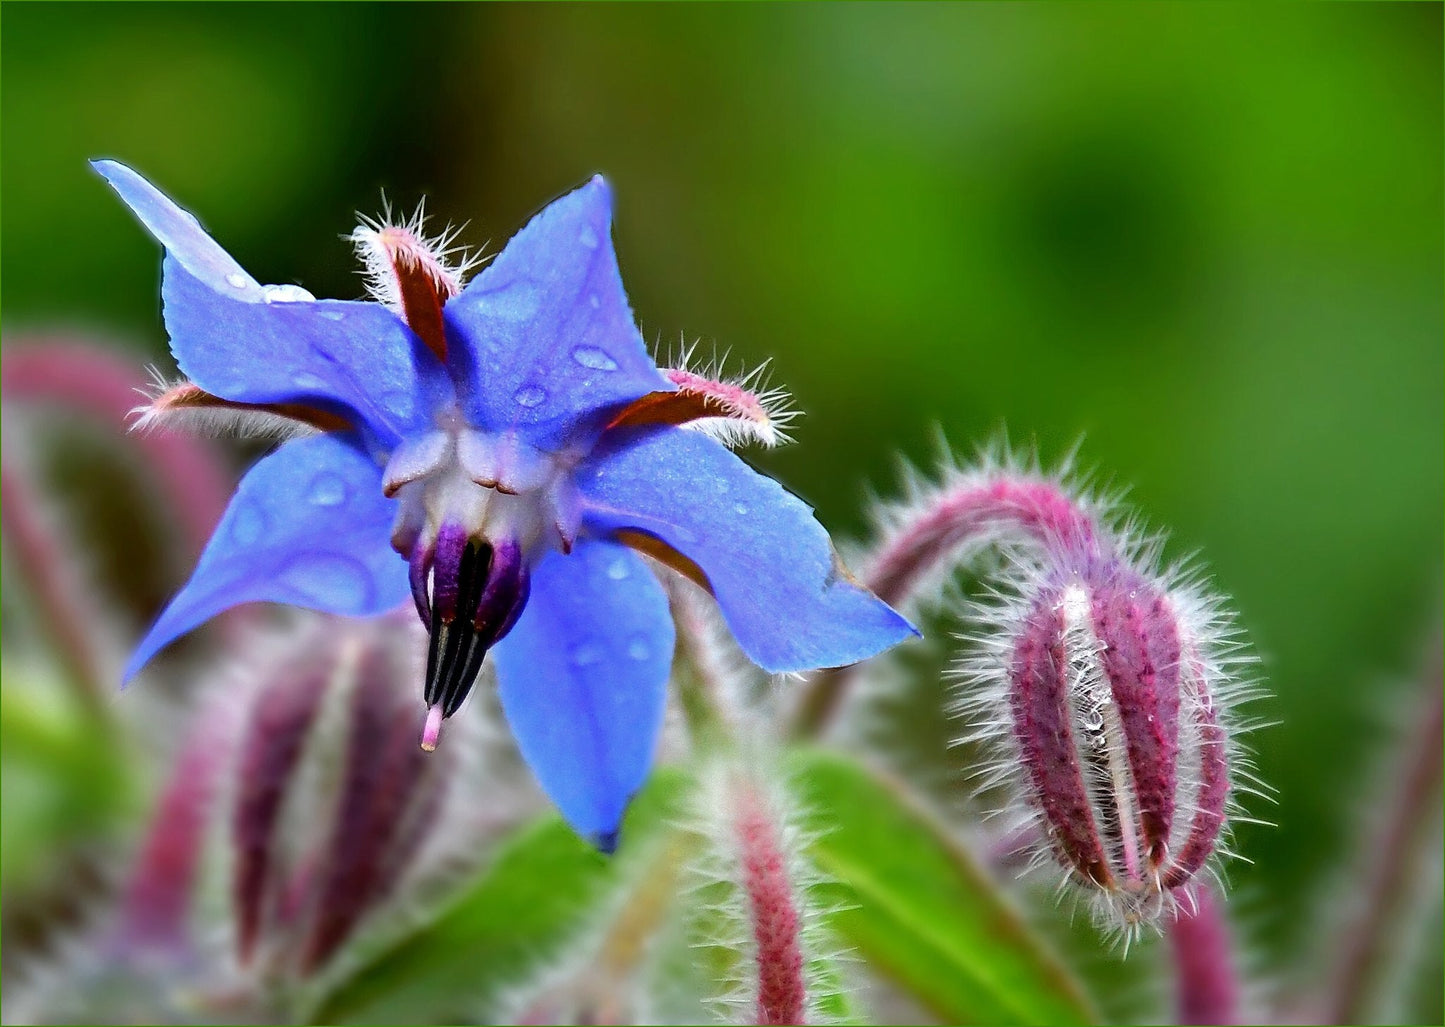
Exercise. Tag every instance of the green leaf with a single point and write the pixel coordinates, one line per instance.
(916, 906)
(510, 924)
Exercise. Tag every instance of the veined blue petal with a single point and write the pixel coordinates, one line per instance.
(546, 331)
(782, 590)
(235, 338)
(583, 679)
(308, 526)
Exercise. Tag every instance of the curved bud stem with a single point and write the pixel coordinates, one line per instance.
(929, 536)
(1206, 978)
(87, 378)
(978, 509)
(64, 614)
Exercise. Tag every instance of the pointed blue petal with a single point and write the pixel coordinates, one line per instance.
(780, 585)
(308, 526)
(583, 681)
(356, 359)
(546, 332)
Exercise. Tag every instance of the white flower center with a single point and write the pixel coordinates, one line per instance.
(492, 485)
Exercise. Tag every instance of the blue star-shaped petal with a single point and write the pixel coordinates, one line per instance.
(499, 452)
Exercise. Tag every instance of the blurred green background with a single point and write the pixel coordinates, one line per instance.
(1207, 238)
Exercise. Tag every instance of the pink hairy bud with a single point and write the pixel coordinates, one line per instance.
(1097, 679)
(1113, 722)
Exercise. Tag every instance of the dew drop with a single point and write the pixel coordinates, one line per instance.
(306, 380)
(588, 238)
(328, 490)
(587, 654)
(236, 280)
(286, 294)
(591, 356)
(741, 509)
(332, 314)
(594, 301)
(329, 581)
(248, 525)
(618, 570)
(529, 396)
(638, 649)
(517, 302)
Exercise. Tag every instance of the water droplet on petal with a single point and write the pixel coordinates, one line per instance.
(529, 396)
(307, 380)
(236, 280)
(519, 301)
(328, 581)
(638, 649)
(591, 356)
(741, 509)
(332, 314)
(286, 294)
(618, 570)
(587, 654)
(588, 238)
(594, 301)
(328, 490)
(247, 525)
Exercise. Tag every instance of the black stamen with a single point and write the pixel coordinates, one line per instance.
(454, 656)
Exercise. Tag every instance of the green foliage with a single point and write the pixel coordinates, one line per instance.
(508, 927)
(918, 908)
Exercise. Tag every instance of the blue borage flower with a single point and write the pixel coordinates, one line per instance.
(514, 442)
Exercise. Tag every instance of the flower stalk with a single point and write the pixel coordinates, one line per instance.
(1207, 987)
(1397, 857)
(776, 922)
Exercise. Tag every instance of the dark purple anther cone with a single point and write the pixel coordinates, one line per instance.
(1116, 730)
(478, 590)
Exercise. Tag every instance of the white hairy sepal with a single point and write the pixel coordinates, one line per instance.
(165, 410)
(382, 241)
(756, 411)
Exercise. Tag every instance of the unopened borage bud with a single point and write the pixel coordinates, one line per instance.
(1123, 753)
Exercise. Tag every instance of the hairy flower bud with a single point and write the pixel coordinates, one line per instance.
(1097, 680)
(1117, 735)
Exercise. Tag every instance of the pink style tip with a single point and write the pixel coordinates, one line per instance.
(433, 729)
